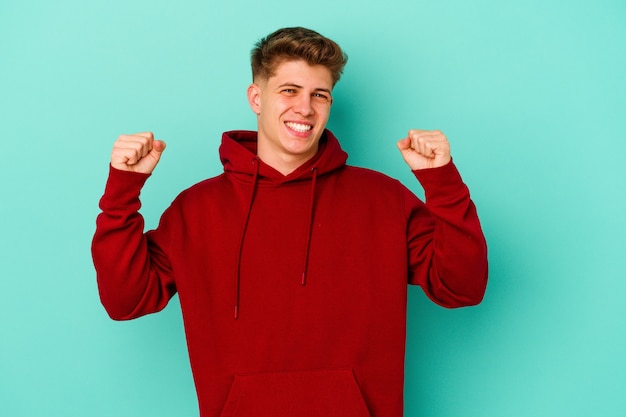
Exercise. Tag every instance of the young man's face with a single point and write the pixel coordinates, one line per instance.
(292, 109)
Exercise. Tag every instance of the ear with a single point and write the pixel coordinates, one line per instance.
(254, 98)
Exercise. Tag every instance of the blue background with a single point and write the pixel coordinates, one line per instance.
(530, 94)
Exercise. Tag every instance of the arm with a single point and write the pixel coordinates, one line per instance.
(447, 249)
(133, 273)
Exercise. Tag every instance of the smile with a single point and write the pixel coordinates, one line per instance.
(298, 127)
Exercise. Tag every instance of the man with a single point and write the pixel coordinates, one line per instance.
(292, 267)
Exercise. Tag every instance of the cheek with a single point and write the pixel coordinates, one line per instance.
(323, 111)
(278, 107)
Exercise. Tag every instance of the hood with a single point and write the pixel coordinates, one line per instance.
(239, 148)
(238, 155)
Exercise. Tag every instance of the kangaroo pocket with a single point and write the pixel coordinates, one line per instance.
(327, 393)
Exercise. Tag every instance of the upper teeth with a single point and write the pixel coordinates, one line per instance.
(299, 127)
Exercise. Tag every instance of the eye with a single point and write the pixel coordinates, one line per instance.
(321, 97)
(289, 91)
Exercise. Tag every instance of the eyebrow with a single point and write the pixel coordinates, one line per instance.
(299, 86)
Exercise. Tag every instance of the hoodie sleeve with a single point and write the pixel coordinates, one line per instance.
(133, 272)
(447, 248)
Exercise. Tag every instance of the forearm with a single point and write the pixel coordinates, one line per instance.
(457, 255)
(129, 280)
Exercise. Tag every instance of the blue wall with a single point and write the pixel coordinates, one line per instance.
(531, 95)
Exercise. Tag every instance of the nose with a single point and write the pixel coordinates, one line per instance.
(303, 105)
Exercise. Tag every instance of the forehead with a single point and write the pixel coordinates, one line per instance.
(301, 73)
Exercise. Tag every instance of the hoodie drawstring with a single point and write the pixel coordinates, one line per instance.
(243, 236)
(245, 229)
(314, 170)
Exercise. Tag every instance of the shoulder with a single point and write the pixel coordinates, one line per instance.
(370, 177)
(201, 190)
(367, 173)
(377, 185)
(364, 184)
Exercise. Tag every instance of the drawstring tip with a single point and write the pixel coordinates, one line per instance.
(236, 312)
(303, 278)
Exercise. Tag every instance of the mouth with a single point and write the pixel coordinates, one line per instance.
(299, 127)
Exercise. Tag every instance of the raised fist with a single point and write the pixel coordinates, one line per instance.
(425, 149)
(138, 152)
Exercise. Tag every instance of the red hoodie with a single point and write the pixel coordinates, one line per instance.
(293, 288)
